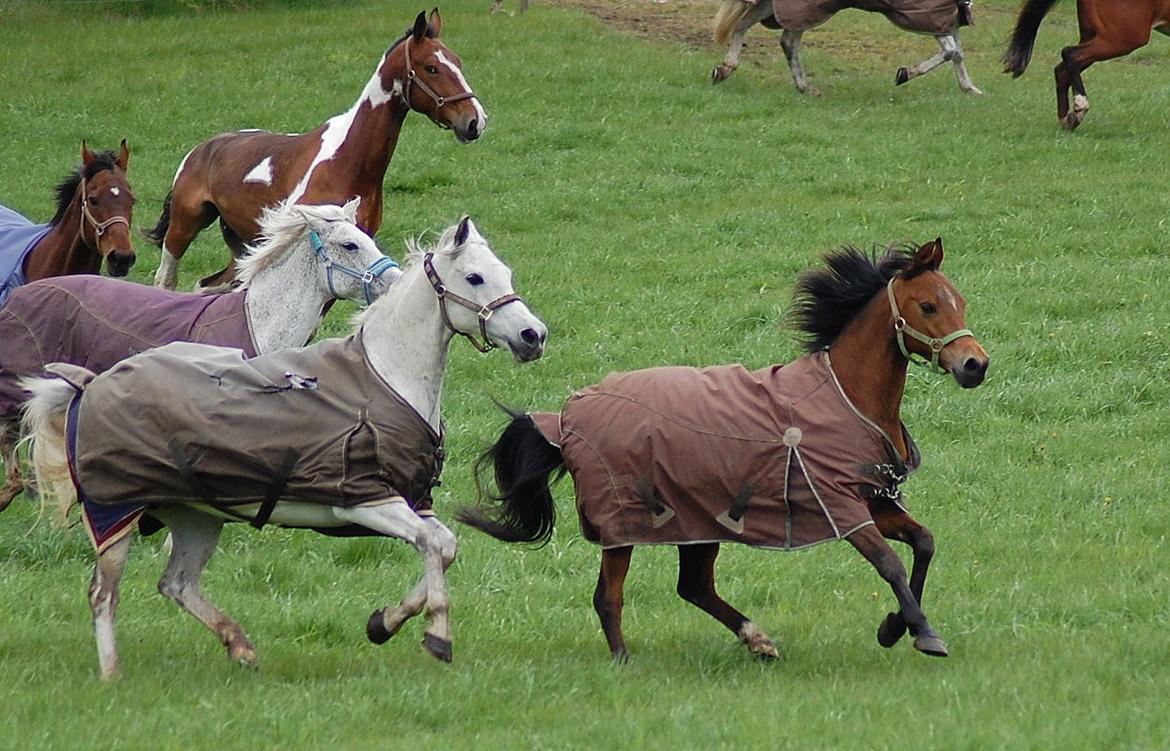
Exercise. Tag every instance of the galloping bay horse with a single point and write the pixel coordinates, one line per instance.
(1109, 29)
(782, 457)
(235, 175)
(939, 18)
(92, 225)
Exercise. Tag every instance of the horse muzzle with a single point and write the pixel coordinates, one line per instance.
(970, 371)
(530, 346)
(118, 262)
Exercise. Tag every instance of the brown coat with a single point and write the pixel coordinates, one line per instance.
(923, 16)
(776, 458)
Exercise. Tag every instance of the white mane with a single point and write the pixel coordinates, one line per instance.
(282, 227)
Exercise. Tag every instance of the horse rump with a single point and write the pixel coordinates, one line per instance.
(43, 424)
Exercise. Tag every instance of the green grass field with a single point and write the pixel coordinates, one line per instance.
(651, 219)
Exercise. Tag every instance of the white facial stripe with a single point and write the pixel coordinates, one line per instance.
(950, 298)
(261, 173)
(114, 190)
(479, 111)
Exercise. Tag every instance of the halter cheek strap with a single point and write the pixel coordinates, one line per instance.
(99, 228)
(412, 79)
(903, 329)
(484, 312)
(366, 276)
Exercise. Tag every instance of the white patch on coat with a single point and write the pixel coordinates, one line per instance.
(480, 114)
(261, 173)
(114, 191)
(182, 164)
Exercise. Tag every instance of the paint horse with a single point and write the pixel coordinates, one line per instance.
(92, 225)
(939, 18)
(234, 175)
(344, 437)
(1109, 29)
(307, 256)
(780, 458)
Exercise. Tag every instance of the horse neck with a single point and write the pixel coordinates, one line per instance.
(871, 368)
(285, 300)
(63, 249)
(407, 343)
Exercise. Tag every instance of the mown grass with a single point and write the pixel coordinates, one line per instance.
(651, 219)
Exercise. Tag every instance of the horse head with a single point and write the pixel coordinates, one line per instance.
(106, 207)
(476, 296)
(431, 78)
(930, 318)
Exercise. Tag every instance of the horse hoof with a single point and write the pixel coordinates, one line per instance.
(376, 630)
(621, 657)
(719, 75)
(244, 654)
(438, 647)
(975, 90)
(901, 77)
(931, 645)
(766, 652)
(891, 630)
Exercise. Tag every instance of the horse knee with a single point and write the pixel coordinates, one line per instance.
(444, 542)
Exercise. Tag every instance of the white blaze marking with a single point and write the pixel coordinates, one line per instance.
(261, 173)
(115, 190)
(479, 111)
(950, 298)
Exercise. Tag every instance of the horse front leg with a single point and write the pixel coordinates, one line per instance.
(790, 43)
(868, 541)
(194, 537)
(946, 51)
(896, 524)
(957, 59)
(438, 548)
(103, 601)
(9, 440)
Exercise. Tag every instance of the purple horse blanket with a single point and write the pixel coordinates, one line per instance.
(922, 16)
(96, 322)
(776, 458)
(18, 236)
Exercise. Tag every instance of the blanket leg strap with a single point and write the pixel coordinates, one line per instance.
(276, 489)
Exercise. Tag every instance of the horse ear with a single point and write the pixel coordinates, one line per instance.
(464, 231)
(420, 27)
(350, 208)
(929, 256)
(123, 158)
(86, 155)
(436, 22)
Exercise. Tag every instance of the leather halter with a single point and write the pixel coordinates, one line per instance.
(484, 312)
(936, 344)
(99, 228)
(413, 79)
(366, 276)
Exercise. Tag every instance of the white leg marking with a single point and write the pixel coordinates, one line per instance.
(103, 601)
(261, 173)
(167, 275)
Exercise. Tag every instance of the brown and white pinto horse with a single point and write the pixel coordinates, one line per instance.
(235, 175)
(1109, 29)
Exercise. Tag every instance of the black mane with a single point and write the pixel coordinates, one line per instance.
(827, 299)
(102, 160)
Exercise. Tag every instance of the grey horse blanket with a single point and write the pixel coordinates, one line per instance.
(18, 236)
(191, 422)
(96, 322)
(923, 16)
(775, 458)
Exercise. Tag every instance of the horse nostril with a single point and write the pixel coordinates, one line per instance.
(530, 336)
(975, 366)
(473, 128)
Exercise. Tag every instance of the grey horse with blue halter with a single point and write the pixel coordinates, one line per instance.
(367, 276)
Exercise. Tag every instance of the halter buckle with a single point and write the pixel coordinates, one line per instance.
(899, 323)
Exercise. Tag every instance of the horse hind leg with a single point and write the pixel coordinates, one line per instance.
(608, 599)
(790, 43)
(194, 538)
(748, 16)
(914, 71)
(103, 601)
(1074, 60)
(13, 483)
(696, 585)
(957, 59)
(225, 279)
(186, 220)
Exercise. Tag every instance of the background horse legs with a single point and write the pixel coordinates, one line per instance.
(752, 14)
(896, 524)
(9, 439)
(1074, 60)
(194, 537)
(790, 43)
(696, 585)
(949, 49)
(869, 542)
(103, 601)
(437, 545)
(607, 598)
(185, 220)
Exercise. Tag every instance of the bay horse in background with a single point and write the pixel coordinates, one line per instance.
(1109, 29)
(784, 458)
(235, 175)
(939, 18)
(91, 226)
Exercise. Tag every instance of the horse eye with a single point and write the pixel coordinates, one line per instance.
(350, 246)
(474, 279)
(927, 308)
(432, 70)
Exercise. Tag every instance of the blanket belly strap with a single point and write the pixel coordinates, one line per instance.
(276, 489)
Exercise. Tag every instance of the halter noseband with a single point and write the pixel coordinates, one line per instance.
(413, 79)
(484, 312)
(99, 228)
(366, 276)
(936, 344)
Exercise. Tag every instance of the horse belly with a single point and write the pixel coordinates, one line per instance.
(285, 514)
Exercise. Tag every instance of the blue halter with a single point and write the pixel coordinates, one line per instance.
(372, 272)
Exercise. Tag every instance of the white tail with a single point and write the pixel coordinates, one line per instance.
(730, 15)
(44, 424)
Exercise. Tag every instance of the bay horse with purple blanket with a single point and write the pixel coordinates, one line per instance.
(1109, 29)
(781, 458)
(233, 176)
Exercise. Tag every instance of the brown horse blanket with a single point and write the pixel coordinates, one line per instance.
(923, 16)
(775, 458)
(190, 422)
(97, 322)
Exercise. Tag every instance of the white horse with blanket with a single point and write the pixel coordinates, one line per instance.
(343, 437)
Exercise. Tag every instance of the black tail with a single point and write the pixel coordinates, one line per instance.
(159, 232)
(1019, 51)
(523, 460)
